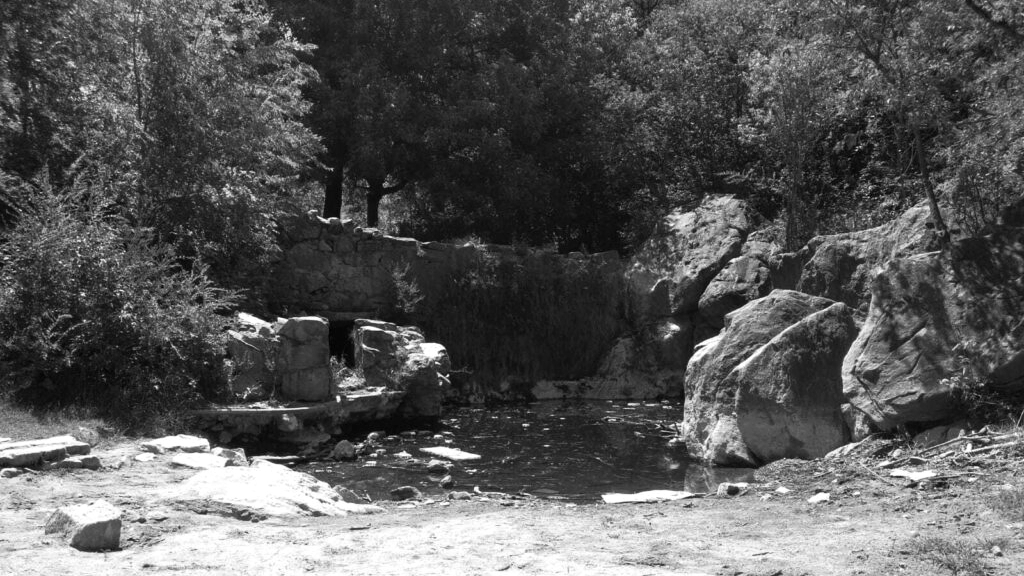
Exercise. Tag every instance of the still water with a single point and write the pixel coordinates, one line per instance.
(574, 451)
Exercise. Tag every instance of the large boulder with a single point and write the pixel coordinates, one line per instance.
(708, 391)
(931, 316)
(398, 359)
(840, 266)
(88, 527)
(670, 271)
(789, 392)
(745, 278)
(304, 359)
(261, 491)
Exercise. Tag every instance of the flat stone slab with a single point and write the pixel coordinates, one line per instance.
(648, 496)
(74, 463)
(453, 454)
(199, 461)
(89, 527)
(179, 443)
(35, 452)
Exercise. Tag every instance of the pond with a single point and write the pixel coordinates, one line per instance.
(573, 451)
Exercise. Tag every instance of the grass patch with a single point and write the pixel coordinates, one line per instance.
(22, 423)
(961, 557)
(1009, 503)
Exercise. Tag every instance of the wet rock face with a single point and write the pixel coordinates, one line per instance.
(769, 386)
(671, 270)
(929, 315)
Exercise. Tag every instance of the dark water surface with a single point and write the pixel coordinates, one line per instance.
(575, 451)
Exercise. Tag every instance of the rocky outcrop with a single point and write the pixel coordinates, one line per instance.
(261, 491)
(931, 316)
(647, 365)
(671, 270)
(840, 266)
(304, 359)
(745, 278)
(775, 363)
(399, 359)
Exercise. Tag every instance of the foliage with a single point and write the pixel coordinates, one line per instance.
(532, 318)
(93, 311)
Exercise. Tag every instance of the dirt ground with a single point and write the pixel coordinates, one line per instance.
(873, 524)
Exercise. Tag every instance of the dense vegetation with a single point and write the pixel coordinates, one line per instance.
(148, 146)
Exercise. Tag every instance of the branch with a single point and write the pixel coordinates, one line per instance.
(999, 23)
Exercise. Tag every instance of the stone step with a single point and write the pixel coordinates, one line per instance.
(35, 452)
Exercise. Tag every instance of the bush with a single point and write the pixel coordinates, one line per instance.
(92, 311)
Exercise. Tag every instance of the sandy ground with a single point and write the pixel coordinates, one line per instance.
(871, 525)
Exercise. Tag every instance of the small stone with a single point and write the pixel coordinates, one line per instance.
(403, 455)
(374, 436)
(446, 482)
(74, 463)
(783, 490)
(348, 495)
(288, 423)
(343, 450)
(996, 551)
(460, 495)
(11, 472)
(819, 498)
(145, 457)
(732, 489)
(87, 435)
(234, 456)
(406, 493)
(435, 466)
(91, 527)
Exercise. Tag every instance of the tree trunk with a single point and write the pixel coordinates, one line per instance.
(933, 203)
(375, 191)
(332, 194)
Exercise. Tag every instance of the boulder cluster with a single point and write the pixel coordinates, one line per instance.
(782, 355)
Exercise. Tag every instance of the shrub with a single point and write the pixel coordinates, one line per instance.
(93, 311)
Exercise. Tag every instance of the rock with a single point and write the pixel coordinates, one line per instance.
(406, 493)
(460, 495)
(87, 435)
(91, 527)
(840, 266)
(929, 314)
(732, 489)
(438, 467)
(648, 364)
(708, 391)
(288, 423)
(260, 491)
(74, 463)
(819, 498)
(234, 456)
(450, 453)
(11, 472)
(251, 354)
(145, 457)
(724, 445)
(446, 482)
(199, 461)
(349, 496)
(179, 443)
(647, 496)
(343, 450)
(399, 359)
(304, 359)
(35, 452)
(744, 279)
(939, 434)
(789, 392)
(671, 270)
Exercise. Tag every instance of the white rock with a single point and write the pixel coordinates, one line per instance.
(450, 453)
(648, 496)
(913, 476)
(11, 472)
(262, 490)
(782, 490)
(199, 461)
(33, 452)
(234, 456)
(179, 443)
(145, 457)
(91, 527)
(819, 497)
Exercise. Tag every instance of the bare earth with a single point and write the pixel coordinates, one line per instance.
(872, 525)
